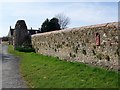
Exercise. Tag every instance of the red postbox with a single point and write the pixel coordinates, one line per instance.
(97, 39)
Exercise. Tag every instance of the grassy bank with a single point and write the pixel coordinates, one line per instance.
(49, 72)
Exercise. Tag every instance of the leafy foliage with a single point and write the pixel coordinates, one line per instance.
(45, 26)
(50, 25)
(21, 49)
(53, 24)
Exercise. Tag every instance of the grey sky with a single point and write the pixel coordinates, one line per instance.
(34, 13)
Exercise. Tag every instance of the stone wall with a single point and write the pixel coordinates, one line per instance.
(95, 44)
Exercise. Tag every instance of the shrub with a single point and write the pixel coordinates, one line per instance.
(23, 49)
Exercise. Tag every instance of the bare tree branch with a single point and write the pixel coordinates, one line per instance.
(63, 20)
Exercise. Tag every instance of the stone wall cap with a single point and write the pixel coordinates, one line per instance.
(115, 24)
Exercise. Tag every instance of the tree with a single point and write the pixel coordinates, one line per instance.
(50, 25)
(63, 20)
(45, 26)
(54, 25)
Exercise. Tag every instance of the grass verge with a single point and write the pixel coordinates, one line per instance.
(41, 71)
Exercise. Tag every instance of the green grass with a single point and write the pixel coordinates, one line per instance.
(41, 71)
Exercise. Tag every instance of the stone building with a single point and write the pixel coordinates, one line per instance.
(20, 34)
(10, 35)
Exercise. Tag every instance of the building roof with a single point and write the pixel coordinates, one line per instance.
(31, 31)
(11, 32)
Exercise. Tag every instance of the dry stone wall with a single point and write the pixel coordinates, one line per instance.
(82, 45)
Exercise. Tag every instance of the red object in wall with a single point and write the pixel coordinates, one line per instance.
(97, 39)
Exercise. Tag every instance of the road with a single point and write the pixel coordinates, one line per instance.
(11, 77)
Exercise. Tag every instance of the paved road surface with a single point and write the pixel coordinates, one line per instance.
(11, 77)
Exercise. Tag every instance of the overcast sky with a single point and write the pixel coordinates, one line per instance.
(34, 13)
